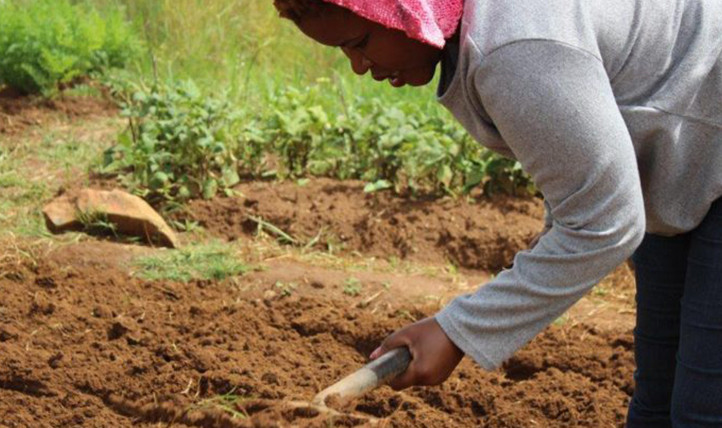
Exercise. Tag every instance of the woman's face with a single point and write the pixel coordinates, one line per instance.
(388, 54)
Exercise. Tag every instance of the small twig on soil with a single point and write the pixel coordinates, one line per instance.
(168, 292)
(315, 239)
(370, 300)
(188, 388)
(280, 234)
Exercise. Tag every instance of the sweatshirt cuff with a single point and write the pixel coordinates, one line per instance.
(548, 218)
(447, 319)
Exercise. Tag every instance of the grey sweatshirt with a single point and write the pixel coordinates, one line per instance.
(615, 109)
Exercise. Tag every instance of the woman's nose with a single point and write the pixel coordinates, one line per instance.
(359, 63)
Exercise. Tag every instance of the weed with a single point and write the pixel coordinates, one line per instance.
(403, 313)
(187, 225)
(352, 287)
(14, 257)
(227, 403)
(67, 153)
(600, 291)
(96, 223)
(561, 321)
(286, 288)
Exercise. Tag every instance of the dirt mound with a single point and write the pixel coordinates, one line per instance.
(18, 113)
(339, 215)
(85, 345)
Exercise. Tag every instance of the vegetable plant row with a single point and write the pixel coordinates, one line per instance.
(182, 144)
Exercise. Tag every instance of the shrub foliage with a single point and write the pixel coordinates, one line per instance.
(180, 144)
(44, 44)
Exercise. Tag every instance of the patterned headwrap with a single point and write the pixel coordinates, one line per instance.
(429, 21)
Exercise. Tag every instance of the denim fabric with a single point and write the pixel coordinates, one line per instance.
(678, 338)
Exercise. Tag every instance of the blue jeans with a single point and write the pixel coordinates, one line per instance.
(678, 338)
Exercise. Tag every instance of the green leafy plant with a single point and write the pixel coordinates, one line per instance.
(391, 146)
(50, 43)
(498, 174)
(179, 144)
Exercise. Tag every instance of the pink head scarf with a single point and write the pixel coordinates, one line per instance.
(429, 21)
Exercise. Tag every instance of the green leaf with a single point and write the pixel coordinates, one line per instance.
(230, 177)
(378, 185)
(445, 175)
(210, 188)
(184, 193)
(159, 180)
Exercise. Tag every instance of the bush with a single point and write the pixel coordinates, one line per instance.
(179, 144)
(45, 44)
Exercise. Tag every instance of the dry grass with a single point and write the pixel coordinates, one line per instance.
(18, 255)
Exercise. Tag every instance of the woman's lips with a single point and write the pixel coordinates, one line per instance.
(395, 79)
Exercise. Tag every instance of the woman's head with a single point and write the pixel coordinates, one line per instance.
(387, 53)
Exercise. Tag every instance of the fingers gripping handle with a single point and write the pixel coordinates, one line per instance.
(390, 365)
(369, 377)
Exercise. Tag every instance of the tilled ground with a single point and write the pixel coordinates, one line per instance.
(485, 234)
(84, 344)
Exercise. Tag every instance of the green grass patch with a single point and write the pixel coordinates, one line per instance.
(212, 261)
(67, 152)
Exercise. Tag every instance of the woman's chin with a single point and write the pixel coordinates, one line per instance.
(420, 79)
(411, 79)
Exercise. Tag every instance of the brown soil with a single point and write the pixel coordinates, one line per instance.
(19, 113)
(480, 235)
(83, 344)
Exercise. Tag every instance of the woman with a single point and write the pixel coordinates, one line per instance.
(615, 109)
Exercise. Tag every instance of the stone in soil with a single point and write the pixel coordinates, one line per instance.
(129, 215)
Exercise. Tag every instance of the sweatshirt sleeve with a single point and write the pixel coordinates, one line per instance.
(554, 107)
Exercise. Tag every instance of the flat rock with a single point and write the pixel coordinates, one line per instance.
(60, 215)
(129, 214)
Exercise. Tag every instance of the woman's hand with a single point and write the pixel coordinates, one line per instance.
(434, 355)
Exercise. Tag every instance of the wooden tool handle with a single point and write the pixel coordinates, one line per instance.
(368, 377)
